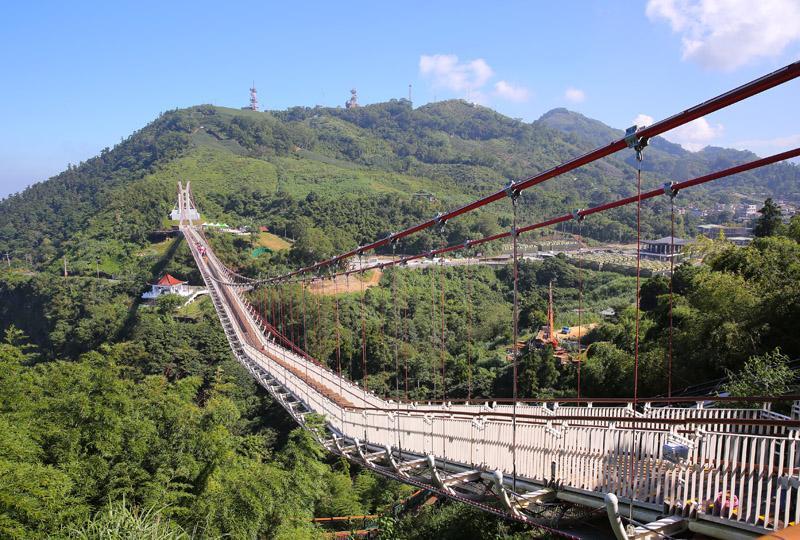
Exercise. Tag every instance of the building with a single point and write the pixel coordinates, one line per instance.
(167, 285)
(747, 211)
(663, 249)
(739, 240)
(608, 313)
(712, 231)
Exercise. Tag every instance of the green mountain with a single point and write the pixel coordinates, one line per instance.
(671, 161)
(115, 416)
(353, 173)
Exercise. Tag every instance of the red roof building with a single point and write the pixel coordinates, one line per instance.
(169, 281)
(168, 284)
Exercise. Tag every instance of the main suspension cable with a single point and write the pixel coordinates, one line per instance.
(740, 93)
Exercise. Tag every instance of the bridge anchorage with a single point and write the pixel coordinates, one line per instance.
(656, 466)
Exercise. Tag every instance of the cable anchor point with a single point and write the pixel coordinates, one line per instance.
(511, 190)
(636, 142)
(440, 220)
(669, 190)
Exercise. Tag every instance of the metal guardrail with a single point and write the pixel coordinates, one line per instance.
(737, 469)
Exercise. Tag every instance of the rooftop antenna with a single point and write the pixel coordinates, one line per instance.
(253, 97)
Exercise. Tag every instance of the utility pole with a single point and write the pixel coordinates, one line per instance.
(8, 261)
(65, 266)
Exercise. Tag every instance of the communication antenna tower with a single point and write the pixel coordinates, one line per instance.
(352, 103)
(253, 97)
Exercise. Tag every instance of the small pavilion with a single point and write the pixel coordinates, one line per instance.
(168, 284)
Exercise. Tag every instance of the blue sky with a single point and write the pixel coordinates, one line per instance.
(79, 76)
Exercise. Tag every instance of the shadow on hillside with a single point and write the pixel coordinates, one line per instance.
(157, 269)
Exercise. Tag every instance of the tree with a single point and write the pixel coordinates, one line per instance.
(651, 290)
(793, 230)
(606, 371)
(166, 304)
(769, 224)
(765, 375)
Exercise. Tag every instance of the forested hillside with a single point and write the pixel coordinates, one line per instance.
(360, 171)
(117, 414)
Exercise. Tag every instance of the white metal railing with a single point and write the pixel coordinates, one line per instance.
(739, 474)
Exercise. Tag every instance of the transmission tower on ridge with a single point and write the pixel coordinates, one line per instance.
(253, 97)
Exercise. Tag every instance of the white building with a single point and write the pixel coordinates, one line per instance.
(167, 285)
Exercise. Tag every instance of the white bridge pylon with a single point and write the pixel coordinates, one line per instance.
(185, 210)
(721, 472)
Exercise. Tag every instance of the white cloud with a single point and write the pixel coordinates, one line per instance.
(726, 34)
(642, 120)
(506, 90)
(695, 135)
(575, 95)
(769, 146)
(447, 72)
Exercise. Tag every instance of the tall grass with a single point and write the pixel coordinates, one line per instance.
(120, 520)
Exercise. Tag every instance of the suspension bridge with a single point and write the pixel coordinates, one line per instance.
(656, 466)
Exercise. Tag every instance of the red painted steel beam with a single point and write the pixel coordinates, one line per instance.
(745, 91)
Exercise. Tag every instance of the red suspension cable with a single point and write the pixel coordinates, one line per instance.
(638, 300)
(580, 302)
(745, 91)
(338, 332)
(515, 326)
(318, 326)
(363, 331)
(468, 312)
(305, 329)
(396, 327)
(442, 351)
(671, 276)
(789, 154)
(407, 336)
(434, 375)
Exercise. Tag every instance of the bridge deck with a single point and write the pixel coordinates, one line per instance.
(736, 469)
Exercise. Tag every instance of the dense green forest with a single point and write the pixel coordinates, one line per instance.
(113, 414)
(742, 303)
